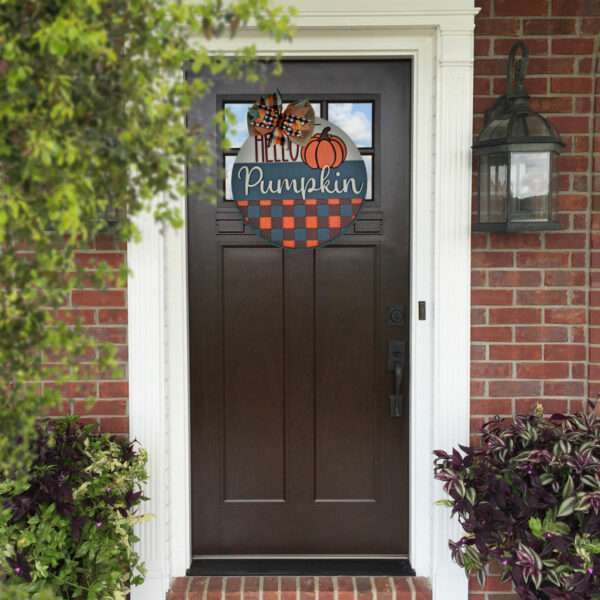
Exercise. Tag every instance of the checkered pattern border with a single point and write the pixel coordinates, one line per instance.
(300, 223)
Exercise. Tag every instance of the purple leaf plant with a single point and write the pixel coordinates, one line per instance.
(528, 499)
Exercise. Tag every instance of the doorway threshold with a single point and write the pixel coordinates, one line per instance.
(369, 567)
(299, 588)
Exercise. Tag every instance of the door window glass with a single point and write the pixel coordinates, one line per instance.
(368, 158)
(355, 118)
(237, 132)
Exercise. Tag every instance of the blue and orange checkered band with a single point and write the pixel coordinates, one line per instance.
(267, 119)
(300, 224)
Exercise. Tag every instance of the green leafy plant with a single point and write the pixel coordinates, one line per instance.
(529, 499)
(92, 125)
(68, 527)
(93, 132)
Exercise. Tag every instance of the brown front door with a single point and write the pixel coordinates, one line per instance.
(294, 446)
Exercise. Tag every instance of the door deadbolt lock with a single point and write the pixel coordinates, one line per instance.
(395, 315)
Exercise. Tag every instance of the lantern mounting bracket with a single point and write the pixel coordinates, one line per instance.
(516, 70)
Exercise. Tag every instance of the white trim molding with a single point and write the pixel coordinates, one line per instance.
(452, 283)
(147, 396)
(437, 35)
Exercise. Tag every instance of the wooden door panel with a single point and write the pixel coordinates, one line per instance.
(253, 375)
(345, 427)
(294, 450)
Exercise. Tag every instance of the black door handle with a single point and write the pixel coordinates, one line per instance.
(396, 399)
(396, 351)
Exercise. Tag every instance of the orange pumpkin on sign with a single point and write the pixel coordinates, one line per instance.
(324, 150)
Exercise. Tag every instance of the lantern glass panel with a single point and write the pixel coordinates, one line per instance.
(493, 169)
(530, 186)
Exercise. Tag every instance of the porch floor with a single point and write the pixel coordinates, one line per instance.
(299, 588)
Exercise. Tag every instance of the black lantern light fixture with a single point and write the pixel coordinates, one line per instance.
(517, 151)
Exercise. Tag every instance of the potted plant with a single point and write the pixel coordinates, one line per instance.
(67, 528)
(529, 498)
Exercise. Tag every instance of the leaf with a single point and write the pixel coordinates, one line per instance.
(560, 528)
(567, 507)
(447, 503)
(471, 495)
(568, 488)
(535, 525)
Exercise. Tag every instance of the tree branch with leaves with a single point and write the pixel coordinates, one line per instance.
(92, 124)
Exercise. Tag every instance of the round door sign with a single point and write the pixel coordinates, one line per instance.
(300, 196)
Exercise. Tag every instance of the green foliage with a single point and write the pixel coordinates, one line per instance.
(92, 123)
(549, 526)
(68, 528)
(19, 592)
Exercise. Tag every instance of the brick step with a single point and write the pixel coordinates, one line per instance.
(299, 588)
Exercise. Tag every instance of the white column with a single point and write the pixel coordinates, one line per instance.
(147, 402)
(452, 281)
(177, 368)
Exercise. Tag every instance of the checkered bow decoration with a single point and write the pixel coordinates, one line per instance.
(267, 118)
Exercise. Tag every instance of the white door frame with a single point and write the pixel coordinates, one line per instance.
(439, 40)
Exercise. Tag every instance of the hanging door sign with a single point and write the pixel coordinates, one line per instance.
(297, 180)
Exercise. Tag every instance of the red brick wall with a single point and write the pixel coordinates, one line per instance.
(104, 313)
(536, 314)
